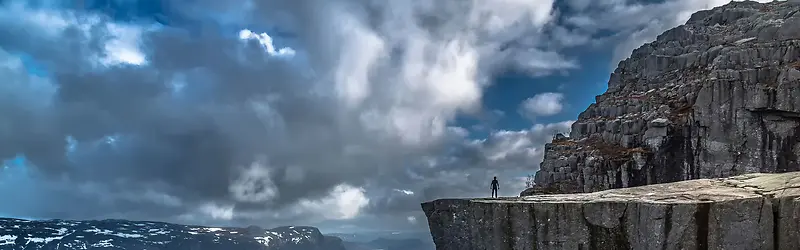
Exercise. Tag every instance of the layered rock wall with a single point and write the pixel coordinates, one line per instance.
(749, 212)
(716, 97)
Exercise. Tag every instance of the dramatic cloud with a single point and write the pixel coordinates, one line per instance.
(278, 112)
(543, 104)
(630, 23)
(230, 124)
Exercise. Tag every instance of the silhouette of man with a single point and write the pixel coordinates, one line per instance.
(495, 185)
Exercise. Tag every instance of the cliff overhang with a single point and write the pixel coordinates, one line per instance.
(752, 211)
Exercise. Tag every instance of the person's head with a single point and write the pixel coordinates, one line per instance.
(495, 177)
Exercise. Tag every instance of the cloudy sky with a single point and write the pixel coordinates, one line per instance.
(343, 114)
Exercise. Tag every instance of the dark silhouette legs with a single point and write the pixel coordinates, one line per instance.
(494, 193)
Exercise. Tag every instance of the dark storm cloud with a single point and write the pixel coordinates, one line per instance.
(194, 143)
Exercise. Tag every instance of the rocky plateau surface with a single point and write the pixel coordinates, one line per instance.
(747, 212)
(140, 235)
(716, 97)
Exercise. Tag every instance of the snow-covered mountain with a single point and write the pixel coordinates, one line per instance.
(145, 235)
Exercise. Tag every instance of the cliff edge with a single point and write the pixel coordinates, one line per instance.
(716, 97)
(748, 212)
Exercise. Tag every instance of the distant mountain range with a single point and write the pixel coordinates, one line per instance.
(139, 235)
(16, 234)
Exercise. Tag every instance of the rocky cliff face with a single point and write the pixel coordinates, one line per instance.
(718, 96)
(748, 212)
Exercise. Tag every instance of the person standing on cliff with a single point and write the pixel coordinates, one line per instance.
(495, 185)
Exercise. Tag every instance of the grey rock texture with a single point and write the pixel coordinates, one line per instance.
(716, 97)
(747, 212)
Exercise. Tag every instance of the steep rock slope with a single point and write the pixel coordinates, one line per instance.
(718, 96)
(748, 212)
(137, 235)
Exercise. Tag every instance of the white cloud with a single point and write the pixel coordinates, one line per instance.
(411, 219)
(506, 143)
(523, 145)
(543, 104)
(545, 132)
(121, 46)
(408, 78)
(403, 191)
(343, 202)
(266, 41)
(254, 184)
(124, 47)
(217, 212)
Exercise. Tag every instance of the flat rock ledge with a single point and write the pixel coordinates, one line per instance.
(753, 211)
